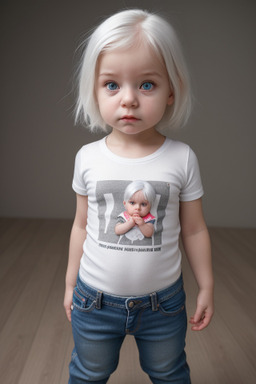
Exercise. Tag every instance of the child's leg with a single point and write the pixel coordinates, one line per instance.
(93, 361)
(161, 341)
(97, 341)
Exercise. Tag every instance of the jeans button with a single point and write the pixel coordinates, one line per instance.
(131, 304)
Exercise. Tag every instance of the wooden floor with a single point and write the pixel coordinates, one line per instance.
(36, 339)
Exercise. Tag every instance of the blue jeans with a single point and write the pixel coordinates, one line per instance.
(101, 321)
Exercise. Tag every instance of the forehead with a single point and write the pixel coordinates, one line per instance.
(139, 196)
(137, 59)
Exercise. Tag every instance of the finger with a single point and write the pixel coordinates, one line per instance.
(201, 324)
(199, 314)
(68, 313)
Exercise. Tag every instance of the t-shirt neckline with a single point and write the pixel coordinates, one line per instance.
(124, 160)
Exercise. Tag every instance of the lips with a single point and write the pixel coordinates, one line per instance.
(129, 118)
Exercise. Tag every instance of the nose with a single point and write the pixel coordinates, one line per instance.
(129, 97)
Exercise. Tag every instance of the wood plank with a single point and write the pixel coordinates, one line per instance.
(5, 225)
(18, 333)
(45, 360)
(14, 242)
(18, 267)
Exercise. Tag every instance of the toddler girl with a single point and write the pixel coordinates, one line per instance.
(133, 81)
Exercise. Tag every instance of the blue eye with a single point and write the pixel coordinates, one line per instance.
(147, 86)
(112, 86)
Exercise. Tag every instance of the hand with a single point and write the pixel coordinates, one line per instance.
(68, 299)
(138, 220)
(130, 223)
(131, 220)
(204, 310)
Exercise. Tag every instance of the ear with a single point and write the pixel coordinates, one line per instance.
(124, 203)
(170, 99)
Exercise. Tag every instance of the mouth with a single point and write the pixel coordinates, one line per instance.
(129, 118)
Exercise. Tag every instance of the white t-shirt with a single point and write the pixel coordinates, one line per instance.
(124, 265)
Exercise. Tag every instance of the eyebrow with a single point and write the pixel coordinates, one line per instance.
(107, 74)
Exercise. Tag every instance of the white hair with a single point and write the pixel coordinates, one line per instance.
(124, 30)
(139, 185)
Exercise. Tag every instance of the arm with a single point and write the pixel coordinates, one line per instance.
(122, 228)
(77, 238)
(196, 242)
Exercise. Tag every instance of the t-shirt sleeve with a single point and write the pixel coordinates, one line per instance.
(192, 188)
(78, 183)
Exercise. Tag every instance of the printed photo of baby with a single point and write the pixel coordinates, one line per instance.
(136, 222)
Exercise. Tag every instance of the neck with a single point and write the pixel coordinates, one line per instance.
(135, 146)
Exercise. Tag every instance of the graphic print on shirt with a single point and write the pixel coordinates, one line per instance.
(113, 212)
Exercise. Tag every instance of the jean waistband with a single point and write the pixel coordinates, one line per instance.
(130, 302)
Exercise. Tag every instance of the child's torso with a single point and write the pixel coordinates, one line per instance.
(132, 264)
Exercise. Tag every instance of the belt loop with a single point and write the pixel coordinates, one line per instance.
(153, 297)
(98, 300)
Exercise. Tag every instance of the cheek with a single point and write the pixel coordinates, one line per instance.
(145, 210)
(156, 110)
(104, 109)
(106, 106)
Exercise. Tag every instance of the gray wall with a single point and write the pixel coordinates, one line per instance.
(38, 137)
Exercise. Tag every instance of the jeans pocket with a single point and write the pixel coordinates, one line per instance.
(81, 302)
(173, 305)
